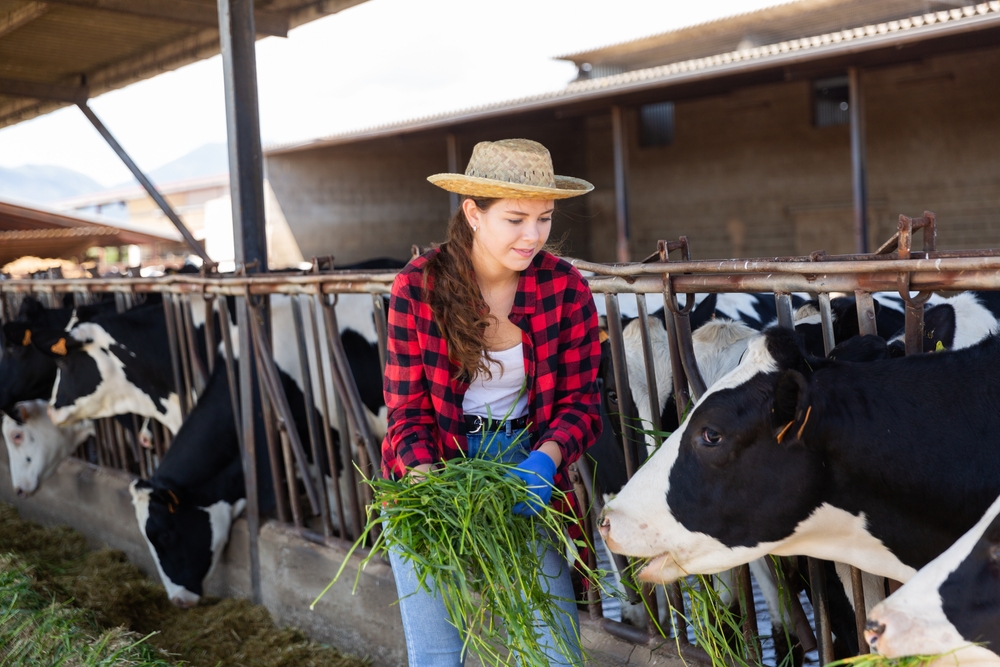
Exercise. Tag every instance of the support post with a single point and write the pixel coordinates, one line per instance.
(246, 186)
(452, 144)
(859, 158)
(144, 181)
(620, 147)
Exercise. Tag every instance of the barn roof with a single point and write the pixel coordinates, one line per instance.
(31, 230)
(62, 51)
(913, 37)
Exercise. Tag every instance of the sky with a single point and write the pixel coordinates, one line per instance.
(378, 62)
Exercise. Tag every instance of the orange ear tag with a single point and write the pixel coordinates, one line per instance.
(26, 341)
(60, 347)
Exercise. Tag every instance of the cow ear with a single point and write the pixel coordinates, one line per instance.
(939, 327)
(790, 409)
(785, 348)
(17, 333)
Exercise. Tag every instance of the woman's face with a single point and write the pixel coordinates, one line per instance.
(509, 233)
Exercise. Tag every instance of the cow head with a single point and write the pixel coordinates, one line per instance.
(185, 539)
(736, 481)
(36, 446)
(27, 373)
(950, 604)
(99, 377)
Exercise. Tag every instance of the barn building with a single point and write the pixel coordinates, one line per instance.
(737, 133)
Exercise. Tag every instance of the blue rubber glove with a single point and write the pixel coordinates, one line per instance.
(537, 472)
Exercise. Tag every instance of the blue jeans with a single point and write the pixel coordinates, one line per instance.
(431, 641)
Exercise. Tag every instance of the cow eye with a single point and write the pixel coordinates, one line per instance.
(17, 437)
(28, 459)
(612, 395)
(710, 437)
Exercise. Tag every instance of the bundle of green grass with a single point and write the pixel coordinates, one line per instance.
(456, 525)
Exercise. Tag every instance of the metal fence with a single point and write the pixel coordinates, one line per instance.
(331, 509)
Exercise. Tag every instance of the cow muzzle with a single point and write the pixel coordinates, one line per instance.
(873, 632)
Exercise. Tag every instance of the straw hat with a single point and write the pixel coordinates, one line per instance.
(511, 169)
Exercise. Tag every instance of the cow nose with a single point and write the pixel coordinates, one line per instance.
(605, 527)
(873, 630)
(20, 493)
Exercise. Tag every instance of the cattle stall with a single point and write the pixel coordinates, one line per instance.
(323, 501)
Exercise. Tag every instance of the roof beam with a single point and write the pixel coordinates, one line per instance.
(183, 11)
(25, 14)
(43, 91)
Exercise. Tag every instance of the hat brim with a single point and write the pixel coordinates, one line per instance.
(473, 186)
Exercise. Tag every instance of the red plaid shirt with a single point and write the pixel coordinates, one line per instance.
(555, 311)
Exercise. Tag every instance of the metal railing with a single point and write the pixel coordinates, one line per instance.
(331, 509)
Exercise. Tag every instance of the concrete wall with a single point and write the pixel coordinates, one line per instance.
(748, 174)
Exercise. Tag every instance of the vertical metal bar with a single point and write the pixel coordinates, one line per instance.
(209, 332)
(186, 395)
(751, 634)
(281, 494)
(325, 414)
(826, 322)
(144, 181)
(676, 598)
(246, 162)
(231, 361)
(860, 610)
(682, 395)
(866, 312)
(619, 144)
(621, 378)
(381, 328)
(175, 361)
(859, 158)
(348, 458)
(451, 143)
(647, 355)
(289, 465)
(248, 450)
(783, 302)
(199, 377)
(821, 610)
(307, 392)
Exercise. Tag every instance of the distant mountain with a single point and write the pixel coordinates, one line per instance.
(43, 184)
(206, 160)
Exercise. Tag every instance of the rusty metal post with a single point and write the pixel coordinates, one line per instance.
(859, 158)
(175, 359)
(866, 312)
(246, 415)
(621, 378)
(751, 634)
(647, 355)
(860, 610)
(821, 610)
(619, 142)
(783, 303)
(826, 322)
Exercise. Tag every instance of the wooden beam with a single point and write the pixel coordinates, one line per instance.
(24, 14)
(43, 91)
(182, 11)
(859, 157)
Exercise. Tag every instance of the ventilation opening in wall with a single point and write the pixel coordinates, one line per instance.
(830, 106)
(656, 124)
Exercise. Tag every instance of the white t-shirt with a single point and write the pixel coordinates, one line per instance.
(493, 398)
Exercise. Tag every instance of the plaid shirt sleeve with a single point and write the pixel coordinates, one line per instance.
(411, 438)
(576, 422)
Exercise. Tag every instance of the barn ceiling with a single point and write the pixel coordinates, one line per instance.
(57, 52)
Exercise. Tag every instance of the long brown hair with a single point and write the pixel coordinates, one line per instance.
(459, 309)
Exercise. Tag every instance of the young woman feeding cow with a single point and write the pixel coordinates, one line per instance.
(493, 352)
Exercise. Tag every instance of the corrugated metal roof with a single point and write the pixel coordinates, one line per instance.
(21, 217)
(845, 42)
(71, 48)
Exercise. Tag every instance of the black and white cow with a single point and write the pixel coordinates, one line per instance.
(26, 373)
(951, 606)
(186, 545)
(882, 465)
(36, 446)
(116, 363)
(956, 322)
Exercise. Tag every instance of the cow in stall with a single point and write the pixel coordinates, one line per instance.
(955, 323)
(881, 465)
(951, 606)
(198, 473)
(36, 446)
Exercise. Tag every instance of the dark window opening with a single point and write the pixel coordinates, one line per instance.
(656, 124)
(831, 102)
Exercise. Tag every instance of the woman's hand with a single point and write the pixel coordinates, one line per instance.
(537, 471)
(418, 473)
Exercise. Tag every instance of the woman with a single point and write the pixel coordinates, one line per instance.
(472, 323)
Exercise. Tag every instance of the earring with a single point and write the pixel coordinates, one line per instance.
(475, 228)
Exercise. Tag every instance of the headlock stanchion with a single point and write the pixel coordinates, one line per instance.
(328, 507)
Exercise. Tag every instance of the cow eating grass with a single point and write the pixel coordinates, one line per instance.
(882, 465)
(951, 606)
